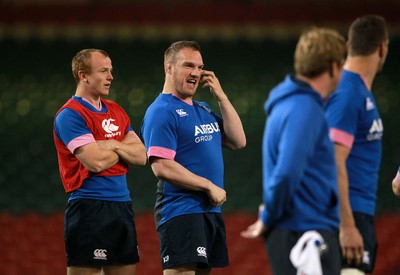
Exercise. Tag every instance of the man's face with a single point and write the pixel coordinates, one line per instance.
(186, 72)
(100, 77)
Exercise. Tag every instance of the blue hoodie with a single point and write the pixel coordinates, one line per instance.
(299, 171)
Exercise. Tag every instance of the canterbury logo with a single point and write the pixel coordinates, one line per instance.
(369, 105)
(100, 254)
(181, 112)
(108, 125)
(202, 251)
(165, 259)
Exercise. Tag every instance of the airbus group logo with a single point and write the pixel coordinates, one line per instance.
(100, 254)
(376, 130)
(110, 128)
(202, 251)
(204, 132)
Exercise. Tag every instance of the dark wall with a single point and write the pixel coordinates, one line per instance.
(35, 80)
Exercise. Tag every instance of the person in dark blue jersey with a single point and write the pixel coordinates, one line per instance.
(184, 140)
(299, 217)
(356, 129)
(96, 145)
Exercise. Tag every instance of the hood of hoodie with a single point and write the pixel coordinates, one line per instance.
(289, 87)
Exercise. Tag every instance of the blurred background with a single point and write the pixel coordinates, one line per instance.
(249, 45)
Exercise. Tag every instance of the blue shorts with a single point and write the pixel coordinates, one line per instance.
(100, 233)
(365, 224)
(194, 238)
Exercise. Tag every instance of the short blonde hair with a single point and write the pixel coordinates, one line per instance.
(316, 50)
(173, 50)
(82, 61)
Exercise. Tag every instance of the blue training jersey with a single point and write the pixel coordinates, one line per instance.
(191, 136)
(355, 122)
(70, 128)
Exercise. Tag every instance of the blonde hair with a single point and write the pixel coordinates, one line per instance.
(316, 49)
(173, 50)
(82, 61)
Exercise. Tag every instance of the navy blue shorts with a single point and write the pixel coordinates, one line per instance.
(280, 242)
(365, 224)
(100, 233)
(194, 238)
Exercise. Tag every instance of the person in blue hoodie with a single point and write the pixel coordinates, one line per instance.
(300, 192)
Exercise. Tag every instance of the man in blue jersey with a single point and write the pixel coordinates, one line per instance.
(299, 217)
(184, 140)
(96, 145)
(356, 129)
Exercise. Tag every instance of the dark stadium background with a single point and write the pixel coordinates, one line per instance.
(249, 44)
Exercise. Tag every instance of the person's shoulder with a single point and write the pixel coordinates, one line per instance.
(68, 117)
(202, 104)
(347, 93)
(307, 101)
(66, 113)
(160, 104)
(160, 108)
(350, 84)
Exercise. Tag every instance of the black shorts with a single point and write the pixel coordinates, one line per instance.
(365, 224)
(100, 233)
(194, 238)
(280, 242)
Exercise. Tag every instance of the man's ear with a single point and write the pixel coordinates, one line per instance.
(334, 68)
(167, 68)
(82, 76)
(331, 69)
(382, 49)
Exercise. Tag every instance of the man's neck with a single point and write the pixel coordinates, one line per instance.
(365, 66)
(167, 89)
(93, 100)
(318, 84)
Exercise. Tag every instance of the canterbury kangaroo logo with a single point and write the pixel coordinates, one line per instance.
(108, 125)
(202, 251)
(100, 254)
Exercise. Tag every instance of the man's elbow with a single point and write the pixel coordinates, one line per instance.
(142, 160)
(238, 144)
(142, 157)
(242, 144)
(161, 171)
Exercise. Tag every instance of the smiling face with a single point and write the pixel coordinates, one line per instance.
(185, 73)
(98, 81)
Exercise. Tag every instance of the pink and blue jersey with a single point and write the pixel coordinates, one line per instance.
(79, 123)
(190, 135)
(354, 122)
